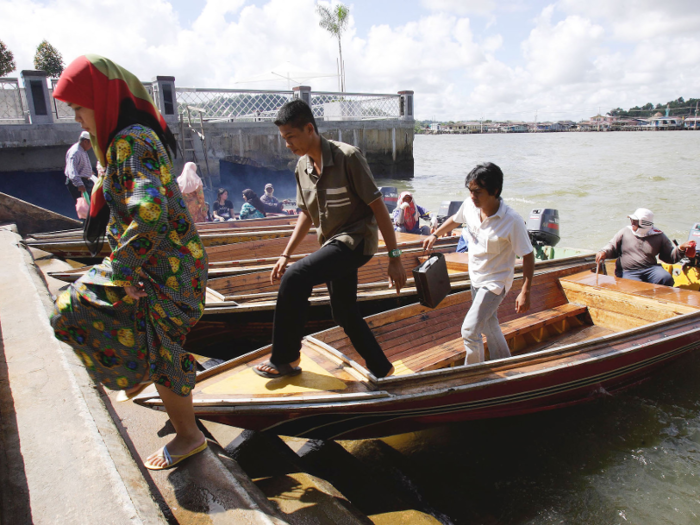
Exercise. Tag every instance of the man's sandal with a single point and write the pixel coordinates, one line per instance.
(172, 460)
(285, 370)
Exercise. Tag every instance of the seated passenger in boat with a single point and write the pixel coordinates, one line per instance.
(271, 203)
(496, 234)
(407, 214)
(337, 194)
(252, 208)
(636, 247)
(223, 208)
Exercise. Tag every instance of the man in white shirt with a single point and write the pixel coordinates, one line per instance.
(78, 166)
(496, 234)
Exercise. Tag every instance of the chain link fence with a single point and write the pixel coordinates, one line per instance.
(233, 105)
(12, 103)
(354, 106)
(237, 105)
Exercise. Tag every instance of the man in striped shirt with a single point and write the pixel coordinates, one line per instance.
(78, 166)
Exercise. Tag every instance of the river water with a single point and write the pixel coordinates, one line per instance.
(631, 458)
(594, 179)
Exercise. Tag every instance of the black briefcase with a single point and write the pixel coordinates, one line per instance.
(432, 281)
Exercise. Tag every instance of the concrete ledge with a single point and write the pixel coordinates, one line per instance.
(77, 467)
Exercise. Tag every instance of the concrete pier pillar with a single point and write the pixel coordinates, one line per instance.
(406, 105)
(166, 98)
(303, 92)
(38, 99)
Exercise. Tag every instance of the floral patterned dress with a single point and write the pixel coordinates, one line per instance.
(153, 239)
(196, 205)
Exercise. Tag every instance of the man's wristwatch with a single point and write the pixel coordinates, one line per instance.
(394, 253)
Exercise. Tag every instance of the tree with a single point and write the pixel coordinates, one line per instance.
(7, 60)
(47, 58)
(334, 21)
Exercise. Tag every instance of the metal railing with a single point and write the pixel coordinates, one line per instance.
(242, 105)
(233, 105)
(12, 103)
(354, 106)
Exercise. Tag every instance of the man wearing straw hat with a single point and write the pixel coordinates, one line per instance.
(78, 167)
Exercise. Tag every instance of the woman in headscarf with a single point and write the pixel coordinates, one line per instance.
(192, 191)
(406, 216)
(128, 317)
(252, 208)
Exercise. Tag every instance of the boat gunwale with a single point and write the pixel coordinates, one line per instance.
(321, 300)
(550, 355)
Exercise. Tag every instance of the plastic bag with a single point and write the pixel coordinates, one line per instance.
(82, 208)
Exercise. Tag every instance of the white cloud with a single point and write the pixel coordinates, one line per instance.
(573, 59)
(460, 7)
(562, 53)
(634, 20)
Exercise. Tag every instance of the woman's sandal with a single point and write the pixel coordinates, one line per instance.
(285, 370)
(172, 460)
(127, 395)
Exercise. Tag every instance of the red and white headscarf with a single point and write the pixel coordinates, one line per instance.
(119, 100)
(410, 214)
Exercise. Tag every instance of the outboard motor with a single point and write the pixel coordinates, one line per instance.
(447, 209)
(390, 196)
(543, 228)
(694, 234)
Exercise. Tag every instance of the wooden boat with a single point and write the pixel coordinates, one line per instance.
(266, 223)
(239, 309)
(251, 256)
(584, 336)
(70, 248)
(30, 218)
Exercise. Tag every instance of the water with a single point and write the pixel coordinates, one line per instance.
(594, 179)
(631, 458)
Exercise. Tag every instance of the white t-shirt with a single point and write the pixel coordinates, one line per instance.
(493, 245)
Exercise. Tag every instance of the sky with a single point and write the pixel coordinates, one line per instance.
(465, 59)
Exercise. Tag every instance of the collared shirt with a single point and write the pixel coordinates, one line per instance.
(78, 166)
(493, 245)
(337, 200)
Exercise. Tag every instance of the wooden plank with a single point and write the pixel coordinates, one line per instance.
(623, 302)
(614, 320)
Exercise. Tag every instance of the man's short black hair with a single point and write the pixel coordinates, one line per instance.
(296, 113)
(487, 176)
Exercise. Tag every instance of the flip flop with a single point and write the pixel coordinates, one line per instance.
(285, 370)
(172, 460)
(123, 396)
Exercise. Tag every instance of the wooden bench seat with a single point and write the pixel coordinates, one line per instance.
(519, 333)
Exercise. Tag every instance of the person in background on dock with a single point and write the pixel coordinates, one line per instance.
(78, 167)
(127, 318)
(223, 208)
(272, 205)
(337, 194)
(252, 207)
(636, 247)
(406, 217)
(496, 234)
(192, 190)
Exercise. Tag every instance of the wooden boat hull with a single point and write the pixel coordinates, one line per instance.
(627, 364)
(587, 336)
(259, 255)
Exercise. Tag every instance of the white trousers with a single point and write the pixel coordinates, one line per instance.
(482, 319)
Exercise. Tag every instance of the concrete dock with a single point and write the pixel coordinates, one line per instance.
(70, 454)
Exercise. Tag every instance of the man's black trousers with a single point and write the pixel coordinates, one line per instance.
(336, 265)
